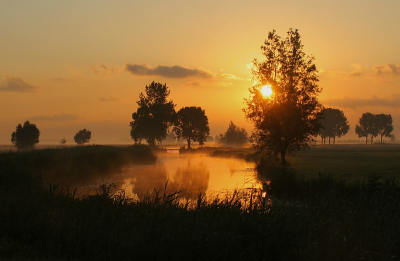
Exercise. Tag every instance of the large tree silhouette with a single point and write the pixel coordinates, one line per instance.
(333, 124)
(289, 119)
(82, 136)
(153, 116)
(25, 137)
(192, 124)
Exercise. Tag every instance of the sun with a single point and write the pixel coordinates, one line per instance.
(266, 90)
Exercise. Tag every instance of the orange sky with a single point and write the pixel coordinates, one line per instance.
(69, 65)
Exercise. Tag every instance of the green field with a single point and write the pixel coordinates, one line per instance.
(348, 161)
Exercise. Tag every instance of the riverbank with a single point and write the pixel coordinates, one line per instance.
(321, 218)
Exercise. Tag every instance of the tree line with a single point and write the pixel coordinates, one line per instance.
(287, 120)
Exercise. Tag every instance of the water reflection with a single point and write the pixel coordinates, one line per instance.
(190, 174)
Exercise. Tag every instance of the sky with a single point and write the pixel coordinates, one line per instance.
(70, 65)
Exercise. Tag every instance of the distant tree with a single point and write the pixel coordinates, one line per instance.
(82, 136)
(234, 136)
(333, 124)
(392, 138)
(209, 139)
(192, 124)
(367, 127)
(288, 120)
(63, 141)
(25, 137)
(154, 115)
(385, 125)
(170, 138)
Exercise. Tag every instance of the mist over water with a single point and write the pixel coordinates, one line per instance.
(190, 174)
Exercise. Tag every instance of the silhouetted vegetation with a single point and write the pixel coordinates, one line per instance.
(82, 136)
(25, 137)
(154, 115)
(321, 218)
(289, 119)
(371, 125)
(191, 124)
(234, 136)
(333, 124)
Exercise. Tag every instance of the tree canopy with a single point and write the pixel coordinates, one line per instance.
(289, 118)
(234, 136)
(82, 136)
(192, 124)
(154, 115)
(333, 124)
(371, 125)
(26, 136)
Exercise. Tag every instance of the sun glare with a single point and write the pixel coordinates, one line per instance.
(266, 90)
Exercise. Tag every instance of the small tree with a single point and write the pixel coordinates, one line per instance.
(367, 127)
(25, 137)
(234, 136)
(82, 136)
(288, 120)
(192, 124)
(154, 115)
(63, 141)
(333, 124)
(385, 125)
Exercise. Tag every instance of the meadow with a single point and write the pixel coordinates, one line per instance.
(320, 216)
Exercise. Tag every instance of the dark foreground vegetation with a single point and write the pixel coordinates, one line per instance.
(307, 219)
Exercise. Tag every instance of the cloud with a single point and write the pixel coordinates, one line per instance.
(387, 70)
(374, 101)
(107, 99)
(15, 84)
(104, 69)
(167, 71)
(384, 70)
(57, 117)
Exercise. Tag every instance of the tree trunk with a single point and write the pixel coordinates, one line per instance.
(366, 139)
(381, 138)
(188, 143)
(329, 140)
(334, 139)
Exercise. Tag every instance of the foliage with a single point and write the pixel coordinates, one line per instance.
(25, 136)
(82, 136)
(371, 125)
(385, 125)
(234, 136)
(153, 116)
(63, 141)
(192, 124)
(333, 124)
(289, 119)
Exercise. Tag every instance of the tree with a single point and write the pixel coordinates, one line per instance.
(25, 137)
(333, 124)
(367, 126)
(234, 136)
(154, 115)
(192, 124)
(288, 119)
(63, 141)
(385, 125)
(82, 136)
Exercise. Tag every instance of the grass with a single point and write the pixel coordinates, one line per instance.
(309, 218)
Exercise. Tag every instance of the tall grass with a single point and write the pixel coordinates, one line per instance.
(308, 219)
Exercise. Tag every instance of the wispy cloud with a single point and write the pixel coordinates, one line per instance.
(167, 71)
(381, 71)
(374, 101)
(104, 69)
(57, 117)
(108, 99)
(15, 84)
